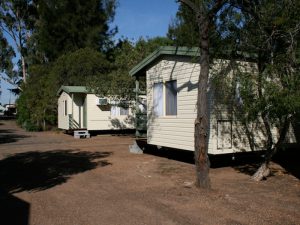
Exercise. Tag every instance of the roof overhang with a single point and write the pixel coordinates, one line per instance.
(72, 89)
(139, 69)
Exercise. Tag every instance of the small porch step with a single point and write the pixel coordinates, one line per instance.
(81, 133)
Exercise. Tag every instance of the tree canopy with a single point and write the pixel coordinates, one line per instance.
(64, 26)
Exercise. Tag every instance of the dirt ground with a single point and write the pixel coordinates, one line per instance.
(50, 178)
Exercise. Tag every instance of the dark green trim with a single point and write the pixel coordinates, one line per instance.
(73, 89)
(164, 50)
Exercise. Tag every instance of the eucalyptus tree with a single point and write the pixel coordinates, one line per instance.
(16, 22)
(271, 34)
(267, 33)
(6, 55)
(65, 25)
(205, 13)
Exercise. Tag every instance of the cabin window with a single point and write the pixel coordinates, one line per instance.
(158, 99)
(124, 111)
(171, 98)
(118, 111)
(65, 107)
(165, 98)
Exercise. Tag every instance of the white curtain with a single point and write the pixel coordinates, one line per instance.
(158, 99)
(114, 110)
(118, 111)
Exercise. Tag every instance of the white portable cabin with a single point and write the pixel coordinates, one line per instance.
(172, 85)
(80, 109)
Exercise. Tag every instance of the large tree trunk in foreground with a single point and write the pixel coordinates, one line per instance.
(204, 14)
(264, 170)
(202, 121)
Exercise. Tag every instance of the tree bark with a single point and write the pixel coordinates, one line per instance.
(204, 18)
(202, 121)
(264, 170)
(23, 68)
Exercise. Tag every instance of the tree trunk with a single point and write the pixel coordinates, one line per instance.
(202, 122)
(23, 68)
(264, 170)
(204, 15)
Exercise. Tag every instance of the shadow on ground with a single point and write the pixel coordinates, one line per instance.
(13, 210)
(170, 153)
(9, 136)
(246, 163)
(288, 159)
(37, 171)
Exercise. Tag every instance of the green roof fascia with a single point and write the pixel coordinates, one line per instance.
(164, 50)
(73, 89)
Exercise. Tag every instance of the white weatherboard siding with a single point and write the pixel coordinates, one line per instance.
(99, 117)
(226, 135)
(173, 131)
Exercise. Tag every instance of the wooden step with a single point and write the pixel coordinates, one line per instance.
(81, 134)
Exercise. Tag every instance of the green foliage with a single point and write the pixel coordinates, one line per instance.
(6, 55)
(64, 47)
(183, 29)
(271, 91)
(126, 55)
(37, 105)
(16, 21)
(65, 26)
(275, 35)
(76, 68)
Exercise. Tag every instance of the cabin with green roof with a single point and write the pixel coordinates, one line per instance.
(80, 109)
(172, 75)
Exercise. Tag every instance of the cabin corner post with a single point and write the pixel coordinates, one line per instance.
(72, 104)
(137, 89)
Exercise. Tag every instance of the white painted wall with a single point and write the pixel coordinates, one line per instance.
(99, 117)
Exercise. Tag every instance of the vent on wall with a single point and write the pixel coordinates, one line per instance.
(102, 101)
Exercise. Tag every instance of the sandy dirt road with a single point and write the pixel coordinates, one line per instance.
(50, 178)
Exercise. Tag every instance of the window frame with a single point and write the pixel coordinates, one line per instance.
(65, 107)
(166, 95)
(119, 110)
(164, 99)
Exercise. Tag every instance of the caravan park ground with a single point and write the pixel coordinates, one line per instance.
(50, 178)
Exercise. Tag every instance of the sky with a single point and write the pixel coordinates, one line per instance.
(134, 19)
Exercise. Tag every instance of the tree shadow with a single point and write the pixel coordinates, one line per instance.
(288, 159)
(37, 171)
(9, 136)
(169, 153)
(13, 210)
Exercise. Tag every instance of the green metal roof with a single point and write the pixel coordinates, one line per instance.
(73, 89)
(163, 50)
